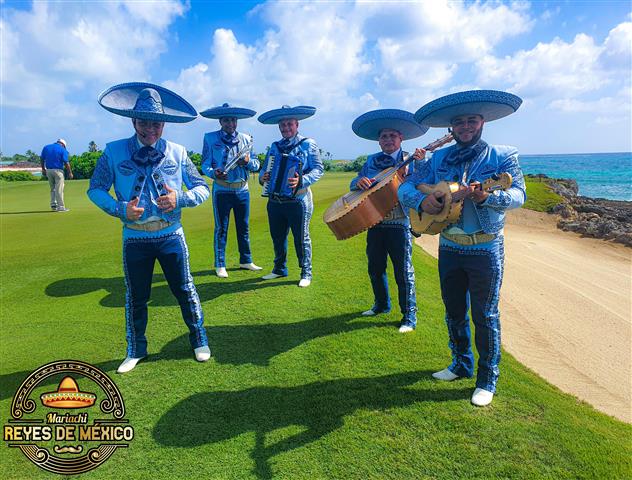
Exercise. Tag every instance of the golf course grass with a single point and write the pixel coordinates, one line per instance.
(300, 385)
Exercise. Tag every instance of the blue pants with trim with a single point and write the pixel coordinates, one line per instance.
(223, 203)
(292, 215)
(394, 241)
(139, 257)
(471, 278)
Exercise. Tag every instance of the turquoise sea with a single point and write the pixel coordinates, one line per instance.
(599, 175)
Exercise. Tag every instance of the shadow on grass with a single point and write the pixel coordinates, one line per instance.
(317, 409)
(231, 344)
(258, 344)
(161, 295)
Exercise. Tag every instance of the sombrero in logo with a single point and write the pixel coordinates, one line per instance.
(490, 104)
(68, 396)
(272, 117)
(147, 101)
(227, 110)
(369, 125)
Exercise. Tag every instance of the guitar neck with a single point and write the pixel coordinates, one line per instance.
(428, 148)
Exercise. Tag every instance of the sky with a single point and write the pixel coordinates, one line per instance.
(570, 62)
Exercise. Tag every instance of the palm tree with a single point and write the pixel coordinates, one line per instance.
(92, 147)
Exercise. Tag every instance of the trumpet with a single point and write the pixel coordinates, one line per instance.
(238, 156)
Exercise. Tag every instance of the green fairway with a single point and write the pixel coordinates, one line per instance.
(300, 385)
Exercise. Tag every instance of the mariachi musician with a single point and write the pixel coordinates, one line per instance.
(391, 237)
(471, 251)
(227, 159)
(291, 165)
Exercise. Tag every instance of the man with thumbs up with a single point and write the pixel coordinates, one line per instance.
(148, 173)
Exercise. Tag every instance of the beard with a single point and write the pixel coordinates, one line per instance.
(473, 141)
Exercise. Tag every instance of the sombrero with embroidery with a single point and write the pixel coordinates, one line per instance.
(68, 396)
(490, 104)
(227, 110)
(147, 101)
(272, 117)
(369, 125)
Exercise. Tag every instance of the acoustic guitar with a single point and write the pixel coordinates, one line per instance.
(425, 223)
(360, 210)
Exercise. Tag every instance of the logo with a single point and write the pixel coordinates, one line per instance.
(74, 425)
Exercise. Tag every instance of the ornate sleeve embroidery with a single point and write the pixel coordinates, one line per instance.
(198, 190)
(514, 196)
(100, 184)
(316, 165)
(408, 194)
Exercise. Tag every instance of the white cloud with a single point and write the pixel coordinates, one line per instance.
(617, 54)
(558, 67)
(311, 54)
(63, 45)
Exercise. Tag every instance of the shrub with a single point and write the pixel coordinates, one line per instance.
(83, 165)
(14, 176)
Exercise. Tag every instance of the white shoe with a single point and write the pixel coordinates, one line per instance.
(446, 375)
(405, 329)
(221, 272)
(369, 313)
(304, 282)
(250, 266)
(128, 364)
(202, 354)
(271, 276)
(62, 209)
(482, 398)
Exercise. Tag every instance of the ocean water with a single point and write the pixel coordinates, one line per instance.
(598, 175)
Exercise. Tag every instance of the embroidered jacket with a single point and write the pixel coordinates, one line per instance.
(497, 159)
(215, 154)
(309, 154)
(397, 216)
(116, 168)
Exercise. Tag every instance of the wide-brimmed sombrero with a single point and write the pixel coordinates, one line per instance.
(490, 104)
(68, 396)
(369, 125)
(147, 101)
(227, 110)
(272, 117)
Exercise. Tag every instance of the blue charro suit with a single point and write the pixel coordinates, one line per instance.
(231, 193)
(171, 166)
(471, 275)
(390, 238)
(294, 213)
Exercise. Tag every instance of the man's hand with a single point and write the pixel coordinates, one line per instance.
(419, 154)
(244, 160)
(167, 202)
(364, 183)
(220, 174)
(70, 176)
(433, 203)
(293, 181)
(133, 212)
(43, 171)
(477, 195)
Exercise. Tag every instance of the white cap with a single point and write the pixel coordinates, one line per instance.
(62, 141)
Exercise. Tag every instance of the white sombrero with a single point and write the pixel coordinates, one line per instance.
(229, 111)
(147, 101)
(490, 104)
(369, 125)
(272, 117)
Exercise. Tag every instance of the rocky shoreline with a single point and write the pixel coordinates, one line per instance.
(591, 217)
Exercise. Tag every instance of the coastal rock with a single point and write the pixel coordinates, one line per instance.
(592, 217)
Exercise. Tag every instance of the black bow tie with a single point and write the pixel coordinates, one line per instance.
(384, 160)
(147, 155)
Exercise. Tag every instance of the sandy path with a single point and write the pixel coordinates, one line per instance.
(566, 309)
